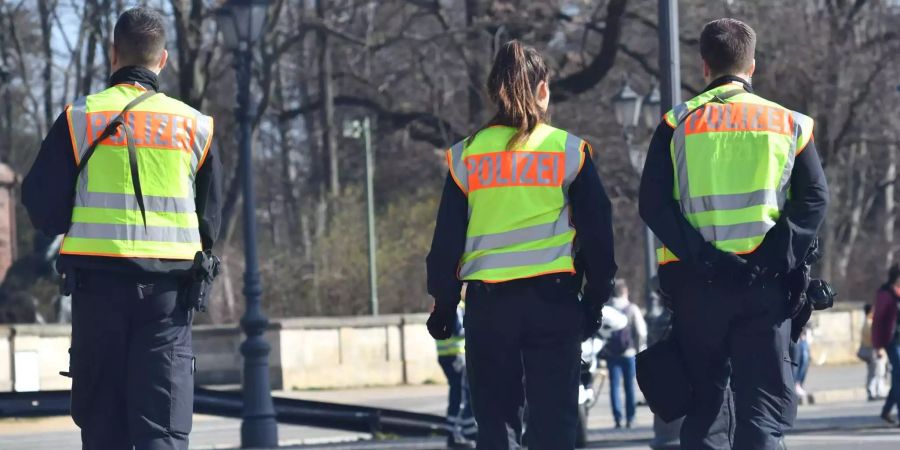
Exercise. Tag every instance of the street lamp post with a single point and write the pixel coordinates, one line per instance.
(356, 129)
(630, 107)
(241, 23)
(666, 435)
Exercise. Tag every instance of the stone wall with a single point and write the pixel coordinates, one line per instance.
(835, 334)
(334, 352)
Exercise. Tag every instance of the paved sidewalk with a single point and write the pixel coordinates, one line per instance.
(837, 390)
(829, 384)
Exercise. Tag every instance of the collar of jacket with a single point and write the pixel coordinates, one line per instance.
(723, 80)
(135, 75)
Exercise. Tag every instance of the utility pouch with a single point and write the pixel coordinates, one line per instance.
(820, 294)
(203, 273)
(662, 377)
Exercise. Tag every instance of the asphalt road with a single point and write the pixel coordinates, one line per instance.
(849, 425)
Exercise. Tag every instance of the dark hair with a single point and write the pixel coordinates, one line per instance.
(728, 46)
(867, 308)
(517, 71)
(140, 37)
(893, 274)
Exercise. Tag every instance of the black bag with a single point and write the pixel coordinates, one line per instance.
(663, 379)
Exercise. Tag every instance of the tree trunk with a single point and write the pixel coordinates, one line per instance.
(889, 218)
(188, 39)
(91, 13)
(476, 106)
(856, 193)
(326, 91)
(44, 9)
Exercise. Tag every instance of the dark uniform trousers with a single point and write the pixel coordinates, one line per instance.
(131, 362)
(531, 330)
(736, 346)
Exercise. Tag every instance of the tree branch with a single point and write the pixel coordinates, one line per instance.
(425, 126)
(587, 78)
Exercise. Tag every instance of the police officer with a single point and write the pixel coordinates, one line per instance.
(517, 191)
(461, 426)
(734, 190)
(137, 198)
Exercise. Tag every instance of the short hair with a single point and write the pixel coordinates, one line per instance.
(867, 308)
(139, 37)
(620, 287)
(728, 46)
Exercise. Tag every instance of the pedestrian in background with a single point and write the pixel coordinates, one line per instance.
(136, 214)
(886, 336)
(619, 352)
(517, 191)
(875, 359)
(461, 427)
(801, 358)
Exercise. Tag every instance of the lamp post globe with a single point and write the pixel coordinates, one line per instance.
(241, 23)
(627, 105)
(651, 107)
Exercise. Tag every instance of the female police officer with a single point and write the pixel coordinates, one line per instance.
(517, 191)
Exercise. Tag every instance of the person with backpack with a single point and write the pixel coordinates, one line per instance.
(620, 351)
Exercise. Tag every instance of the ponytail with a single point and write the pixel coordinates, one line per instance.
(512, 84)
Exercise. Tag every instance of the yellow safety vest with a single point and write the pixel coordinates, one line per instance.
(172, 141)
(519, 218)
(732, 156)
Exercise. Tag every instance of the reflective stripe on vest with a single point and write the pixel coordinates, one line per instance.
(732, 166)
(172, 140)
(519, 219)
(456, 345)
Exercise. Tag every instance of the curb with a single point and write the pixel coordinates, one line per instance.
(836, 396)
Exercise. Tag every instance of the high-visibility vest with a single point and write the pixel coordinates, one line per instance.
(172, 141)
(519, 217)
(456, 345)
(732, 156)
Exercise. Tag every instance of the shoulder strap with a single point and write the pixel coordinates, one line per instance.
(132, 151)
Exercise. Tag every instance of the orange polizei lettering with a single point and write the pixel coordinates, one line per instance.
(515, 168)
(148, 129)
(739, 117)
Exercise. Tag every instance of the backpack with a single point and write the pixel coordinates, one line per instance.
(619, 342)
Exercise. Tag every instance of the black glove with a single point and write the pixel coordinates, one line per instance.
(442, 321)
(593, 320)
(797, 281)
(592, 301)
(728, 268)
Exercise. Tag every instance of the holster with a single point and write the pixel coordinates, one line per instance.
(67, 282)
(202, 274)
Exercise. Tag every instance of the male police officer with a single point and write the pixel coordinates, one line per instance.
(138, 196)
(734, 190)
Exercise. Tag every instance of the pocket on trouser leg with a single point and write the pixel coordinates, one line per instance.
(182, 393)
(84, 382)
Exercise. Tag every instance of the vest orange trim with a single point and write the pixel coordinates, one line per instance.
(212, 126)
(72, 135)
